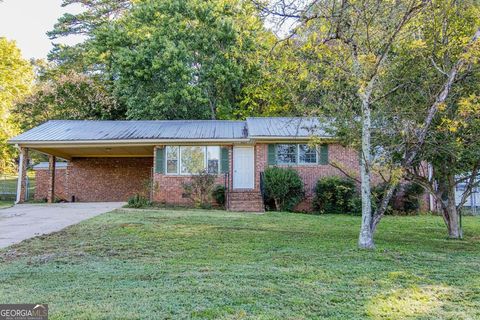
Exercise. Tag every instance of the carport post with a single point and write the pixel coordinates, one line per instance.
(22, 175)
(51, 182)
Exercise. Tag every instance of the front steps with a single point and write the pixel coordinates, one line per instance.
(246, 201)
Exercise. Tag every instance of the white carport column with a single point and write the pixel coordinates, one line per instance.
(22, 175)
(51, 182)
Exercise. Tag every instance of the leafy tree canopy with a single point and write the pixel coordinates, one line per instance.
(68, 95)
(16, 78)
(184, 59)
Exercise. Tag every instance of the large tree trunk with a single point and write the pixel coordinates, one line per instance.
(453, 216)
(365, 239)
(450, 211)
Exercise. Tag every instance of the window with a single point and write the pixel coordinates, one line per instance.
(300, 154)
(213, 159)
(192, 159)
(286, 153)
(172, 159)
(307, 154)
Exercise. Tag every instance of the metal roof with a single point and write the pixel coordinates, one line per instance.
(98, 130)
(285, 127)
(85, 130)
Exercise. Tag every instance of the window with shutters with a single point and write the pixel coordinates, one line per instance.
(187, 160)
(300, 154)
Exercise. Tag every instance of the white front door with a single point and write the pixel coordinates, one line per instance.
(243, 168)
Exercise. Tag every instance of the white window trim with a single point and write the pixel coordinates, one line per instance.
(297, 157)
(179, 159)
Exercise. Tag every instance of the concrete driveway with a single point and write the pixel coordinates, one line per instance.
(24, 221)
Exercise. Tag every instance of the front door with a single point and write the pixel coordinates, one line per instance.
(243, 168)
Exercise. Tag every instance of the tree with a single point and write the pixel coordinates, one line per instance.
(439, 144)
(351, 48)
(83, 57)
(68, 95)
(16, 77)
(184, 59)
(358, 35)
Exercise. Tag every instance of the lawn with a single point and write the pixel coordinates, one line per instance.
(5, 204)
(173, 264)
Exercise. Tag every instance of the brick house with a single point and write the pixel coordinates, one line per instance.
(114, 160)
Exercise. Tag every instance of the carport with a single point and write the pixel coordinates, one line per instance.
(89, 144)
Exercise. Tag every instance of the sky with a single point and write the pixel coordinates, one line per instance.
(27, 21)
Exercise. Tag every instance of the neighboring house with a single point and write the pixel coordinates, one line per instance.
(113, 160)
(473, 200)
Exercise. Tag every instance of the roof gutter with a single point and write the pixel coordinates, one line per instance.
(153, 142)
(291, 138)
(136, 142)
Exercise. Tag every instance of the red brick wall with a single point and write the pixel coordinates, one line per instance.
(169, 188)
(108, 179)
(344, 158)
(42, 177)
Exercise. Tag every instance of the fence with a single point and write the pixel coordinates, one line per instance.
(8, 187)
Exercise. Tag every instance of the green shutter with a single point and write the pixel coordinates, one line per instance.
(272, 154)
(224, 160)
(160, 160)
(324, 154)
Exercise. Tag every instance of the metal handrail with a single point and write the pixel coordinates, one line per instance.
(262, 189)
(226, 182)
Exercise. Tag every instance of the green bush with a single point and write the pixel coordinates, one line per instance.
(411, 197)
(199, 189)
(138, 201)
(218, 194)
(405, 200)
(283, 187)
(336, 195)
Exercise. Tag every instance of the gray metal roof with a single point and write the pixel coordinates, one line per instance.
(285, 127)
(85, 130)
(92, 130)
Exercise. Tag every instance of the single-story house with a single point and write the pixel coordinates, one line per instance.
(114, 160)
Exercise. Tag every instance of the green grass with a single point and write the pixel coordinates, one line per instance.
(168, 264)
(5, 204)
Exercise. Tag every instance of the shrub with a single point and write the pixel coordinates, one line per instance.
(406, 198)
(411, 197)
(200, 188)
(138, 201)
(284, 187)
(336, 195)
(355, 205)
(218, 194)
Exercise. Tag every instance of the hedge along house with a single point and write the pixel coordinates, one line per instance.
(114, 160)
